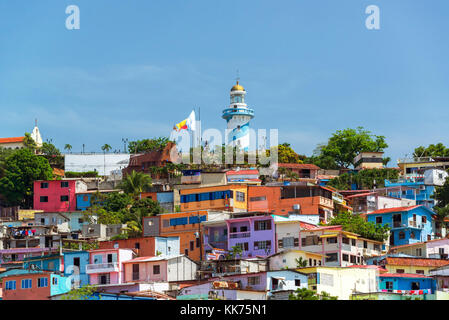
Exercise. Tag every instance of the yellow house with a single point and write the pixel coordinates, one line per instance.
(288, 259)
(412, 264)
(342, 282)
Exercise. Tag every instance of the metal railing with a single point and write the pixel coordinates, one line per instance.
(111, 266)
(239, 235)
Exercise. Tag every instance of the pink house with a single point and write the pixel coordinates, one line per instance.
(106, 265)
(160, 269)
(57, 195)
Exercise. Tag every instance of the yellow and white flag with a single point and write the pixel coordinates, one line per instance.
(187, 124)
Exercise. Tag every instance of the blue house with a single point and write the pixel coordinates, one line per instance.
(51, 262)
(412, 188)
(406, 283)
(74, 261)
(408, 224)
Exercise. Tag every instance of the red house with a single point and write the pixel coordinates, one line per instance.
(57, 195)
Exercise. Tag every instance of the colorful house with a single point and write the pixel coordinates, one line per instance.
(185, 225)
(160, 269)
(289, 259)
(408, 224)
(20, 284)
(407, 283)
(341, 248)
(411, 265)
(231, 197)
(14, 257)
(75, 263)
(244, 176)
(105, 265)
(292, 198)
(146, 246)
(436, 248)
(253, 233)
(57, 195)
(49, 262)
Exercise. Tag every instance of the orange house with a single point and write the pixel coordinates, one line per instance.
(291, 199)
(185, 225)
(226, 197)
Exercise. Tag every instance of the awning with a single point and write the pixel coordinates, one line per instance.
(279, 278)
(350, 236)
(329, 235)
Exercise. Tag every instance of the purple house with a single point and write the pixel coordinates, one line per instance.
(255, 234)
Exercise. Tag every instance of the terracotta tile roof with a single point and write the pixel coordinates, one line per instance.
(307, 226)
(240, 172)
(398, 209)
(417, 243)
(403, 275)
(360, 195)
(417, 262)
(298, 166)
(11, 140)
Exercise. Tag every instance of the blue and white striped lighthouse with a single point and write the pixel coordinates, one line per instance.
(237, 116)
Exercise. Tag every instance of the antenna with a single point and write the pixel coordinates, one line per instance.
(238, 76)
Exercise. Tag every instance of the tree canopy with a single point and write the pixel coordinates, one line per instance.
(364, 179)
(136, 183)
(356, 224)
(20, 169)
(147, 145)
(433, 150)
(287, 155)
(306, 294)
(344, 145)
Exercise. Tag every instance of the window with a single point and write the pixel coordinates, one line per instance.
(233, 229)
(365, 244)
(389, 285)
(297, 282)
(165, 223)
(157, 269)
(258, 198)
(44, 199)
(253, 281)
(288, 242)
(64, 184)
(76, 262)
(441, 251)
(44, 185)
(415, 285)
(345, 240)
(310, 241)
(85, 198)
(402, 235)
(10, 285)
(280, 243)
(42, 282)
(54, 281)
(192, 245)
(137, 245)
(261, 245)
(331, 257)
(198, 242)
(262, 225)
(26, 283)
(353, 242)
(243, 228)
(420, 271)
(136, 271)
(332, 240)
(80, 220)
(240, 196)
(186, 252)
(418, 252)
(345, 257)
(64, 198)
(424, 219)
(379, 220)
(399, 270)
(104, 278)
(353, 259)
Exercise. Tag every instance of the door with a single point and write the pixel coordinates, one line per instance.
(110, 258)
(397, 221)
(136, 271)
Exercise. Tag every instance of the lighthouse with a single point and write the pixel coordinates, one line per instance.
(237, 117)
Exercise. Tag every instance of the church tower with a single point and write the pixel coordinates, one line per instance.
(237, 116)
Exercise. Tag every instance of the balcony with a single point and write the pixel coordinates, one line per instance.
(102, 267)
(236, 235)
(229, 112)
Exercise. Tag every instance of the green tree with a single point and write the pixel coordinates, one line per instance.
(21, 169)
(364, 179)
(116, 201)
(82, 293)
(136, 183)
(301, 263)
(433, 150)
(344, 145)
(306, 294)
(68, 147)
(441, 194)
(356, 224)
(52, 154)
(29, 142)
(148, 145)
(287, 155)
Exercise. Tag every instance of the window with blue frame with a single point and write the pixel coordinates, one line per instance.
(26, 284)
(205, 196)
(10, 285)
(42, 282)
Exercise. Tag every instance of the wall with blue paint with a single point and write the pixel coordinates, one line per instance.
(69, 265)
(400, 283)
(167, 246)
(59, 284)
(83, 201)
(47, 263)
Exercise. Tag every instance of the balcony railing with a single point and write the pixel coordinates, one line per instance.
(239, 235)
(102, 267)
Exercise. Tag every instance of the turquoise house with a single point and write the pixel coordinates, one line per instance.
(404, 283)
(51, 262)
(75, 263)
(407, 224)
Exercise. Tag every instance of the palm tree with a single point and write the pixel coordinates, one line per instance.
(136, 183)
(301, 263)
(105, 149)
(68, 147)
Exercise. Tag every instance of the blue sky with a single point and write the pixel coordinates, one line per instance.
(309, 67)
